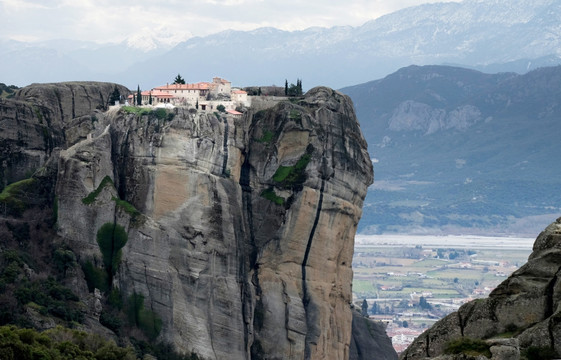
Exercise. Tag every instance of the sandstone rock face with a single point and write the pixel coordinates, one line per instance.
(526, 306)
(42, 117)
(244, 241)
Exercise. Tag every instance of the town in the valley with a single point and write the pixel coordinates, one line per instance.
(410, 282)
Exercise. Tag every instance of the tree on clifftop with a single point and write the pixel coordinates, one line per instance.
(115, 96)
(138, 96)
(179, 80)
(364, 308)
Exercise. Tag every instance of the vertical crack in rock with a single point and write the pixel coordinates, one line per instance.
(211, 311)
(286, 300)
(246, 298)
(225, 147)
(427, 343)
(121, 161)
(101, 99)
(460, 321)
(549, 310)
(87, 95)
(493, 307)
(305, 295)
(59, 99)
(73, 101)
(549, 291)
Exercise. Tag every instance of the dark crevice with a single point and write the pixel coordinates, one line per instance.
(110, 270)
(103, 104)
(305, 294)
(57, 94)
(427, 344)
(225, 148)
(460, 321)
(87, 97)
(73, 102)
(493, 308)
(549, 294)
(121, 160)
(248, 311)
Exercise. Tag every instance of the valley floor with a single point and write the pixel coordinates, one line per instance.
(410, 282)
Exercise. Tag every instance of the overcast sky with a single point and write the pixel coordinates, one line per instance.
(116, 20)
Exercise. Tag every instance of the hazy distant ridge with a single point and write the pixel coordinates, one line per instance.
(494, 35)
(460, 151)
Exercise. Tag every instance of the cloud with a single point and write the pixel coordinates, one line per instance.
(106, 20)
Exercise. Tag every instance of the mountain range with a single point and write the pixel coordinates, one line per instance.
(490, 35)
(461, 151)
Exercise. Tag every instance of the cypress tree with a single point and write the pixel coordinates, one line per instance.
(285, 87)
(138, 96)
(364, 308)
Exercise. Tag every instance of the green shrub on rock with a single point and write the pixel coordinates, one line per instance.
(468, 346)
(111, 238)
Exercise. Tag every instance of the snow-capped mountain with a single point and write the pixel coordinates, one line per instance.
(502, 35)
(162, 38)
(488, 35)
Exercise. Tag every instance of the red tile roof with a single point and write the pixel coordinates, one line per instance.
(157, 94)
(196, 86)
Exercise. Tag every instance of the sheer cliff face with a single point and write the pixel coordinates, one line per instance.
(43, 117)
(524, 311)
(244, 240)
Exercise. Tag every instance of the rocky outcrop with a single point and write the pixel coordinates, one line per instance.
(241, 231)
(42, 117)
(415, 116)
(526, 307)
(369, 340)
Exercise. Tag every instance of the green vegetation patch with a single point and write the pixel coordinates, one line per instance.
(49, 297)
(13, 197)
(540, 353)
(95, 278)
(93, 195)
(17, 188)
(58, 344)
(363, 286)
(290, 176)
(7, 91)
(111, 238)
(270, 195)
(136, 110)
(267, 137)
(128, 208)
(468, 346)
(146, 320)
(295, 115)
(160, 113)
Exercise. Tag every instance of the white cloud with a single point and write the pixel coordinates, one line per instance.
(106, 20)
